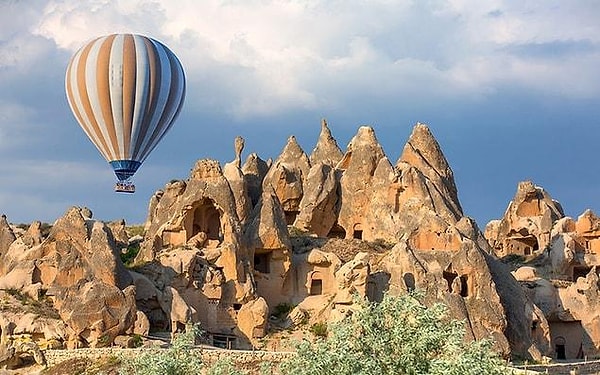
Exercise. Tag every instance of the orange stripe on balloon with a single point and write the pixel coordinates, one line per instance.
(129, 87)
(103, 84)
(85, 100)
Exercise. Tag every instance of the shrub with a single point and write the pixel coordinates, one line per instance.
(224, 366)
(399, 336)
(128, 256)
(282, 310)
(179, 359)
(319, 329)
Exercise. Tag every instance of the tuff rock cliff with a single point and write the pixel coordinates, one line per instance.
(234, 245)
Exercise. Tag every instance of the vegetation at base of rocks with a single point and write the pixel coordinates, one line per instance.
(224, 366)
(282, 310)
(398, 336)
(129, 254)
(179, 359)
(108, 365)
(319, 329)
(135, 230)
(42, 307)
(138, 340)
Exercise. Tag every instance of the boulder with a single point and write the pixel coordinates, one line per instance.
(253, 318)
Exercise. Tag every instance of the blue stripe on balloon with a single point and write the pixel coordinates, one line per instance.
(124, 169)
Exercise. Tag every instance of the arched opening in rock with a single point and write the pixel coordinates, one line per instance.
(560, 348)
(409, 281)
(262, 262)
(567, 339)
(523, 245)
(449, 277)
(337, 231)
(378, 283)
(205, 218)
(357, 231)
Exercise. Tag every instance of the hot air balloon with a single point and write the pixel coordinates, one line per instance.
(126, 91)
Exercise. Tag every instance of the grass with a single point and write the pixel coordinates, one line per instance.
(43, 307)
(319, 329)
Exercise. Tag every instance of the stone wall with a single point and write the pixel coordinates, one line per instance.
(210, 356)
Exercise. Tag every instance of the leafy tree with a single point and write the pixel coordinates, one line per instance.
(398, 336)
(179, 359)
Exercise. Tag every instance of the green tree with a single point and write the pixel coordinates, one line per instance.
(398, 336)
(178, 359)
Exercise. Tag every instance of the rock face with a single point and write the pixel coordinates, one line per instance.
(78, 268)
(322, 229)
(231, 247)
(527, 224)
(558, 268)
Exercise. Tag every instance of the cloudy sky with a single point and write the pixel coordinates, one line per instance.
(511, 90)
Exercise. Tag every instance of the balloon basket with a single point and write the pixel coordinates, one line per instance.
(124, 187)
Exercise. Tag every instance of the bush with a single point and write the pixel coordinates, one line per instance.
(179, 359)
(128, 256)
(400, 335)
(224, 366)
(282, 310)
(319, 329)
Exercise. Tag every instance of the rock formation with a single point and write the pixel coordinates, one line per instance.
(557, 264)
(231, 247)
(77, 267)
(527, 224)
(322, 229)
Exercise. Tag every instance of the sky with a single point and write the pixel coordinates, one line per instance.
(510, 89)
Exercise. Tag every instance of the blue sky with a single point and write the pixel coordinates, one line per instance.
(511, 90)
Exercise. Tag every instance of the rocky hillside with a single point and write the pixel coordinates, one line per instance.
(248, 249)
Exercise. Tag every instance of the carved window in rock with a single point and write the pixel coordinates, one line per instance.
(316, 284)
(262, 262)
(357, 231)
(290, 217)
(205, 217)
(409, 281)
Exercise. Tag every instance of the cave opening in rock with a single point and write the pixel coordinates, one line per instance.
(262, 262)
(357, 232)
(580, 271)
(449, 277)
(560, 348)
(464, 286)
(337, 231)
(206, 218)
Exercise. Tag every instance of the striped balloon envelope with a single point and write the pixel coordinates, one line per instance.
(125, 91)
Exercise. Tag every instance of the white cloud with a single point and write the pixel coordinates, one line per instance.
(252, 60)
(258, 57)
